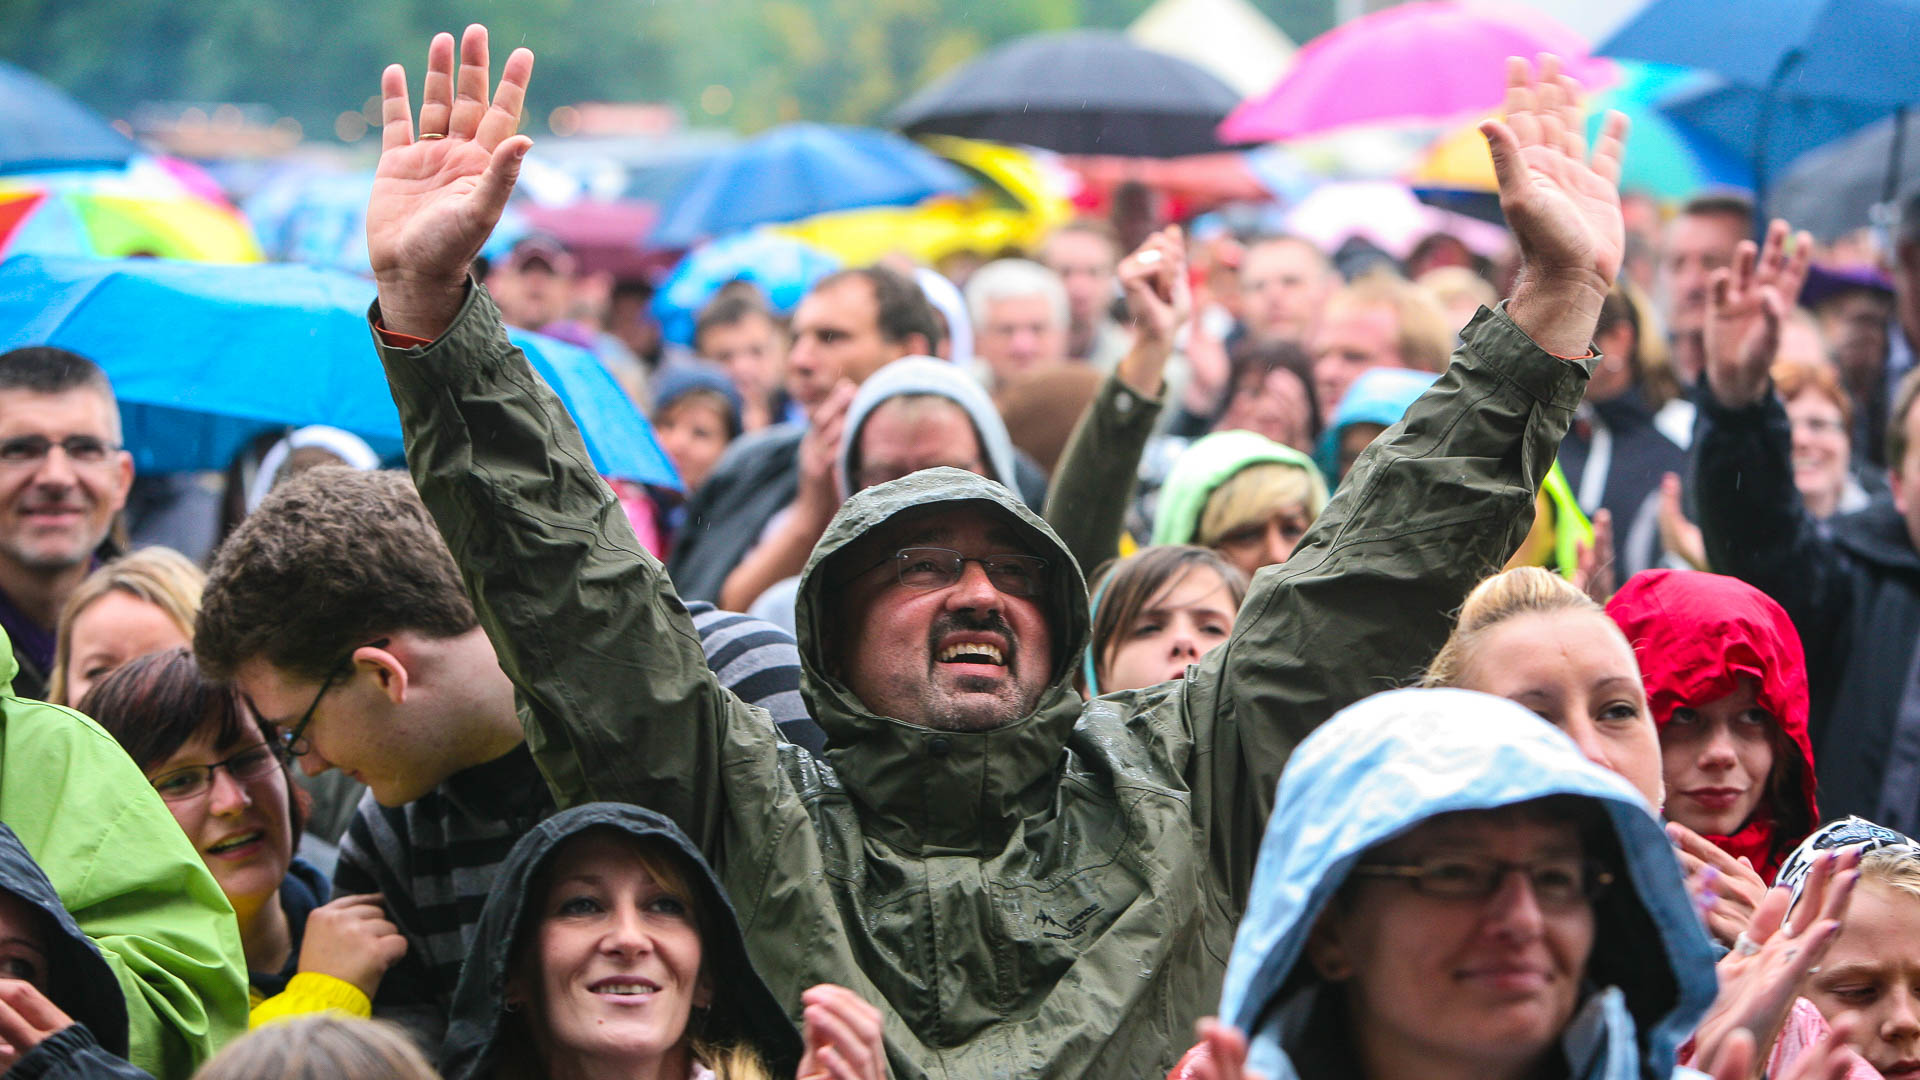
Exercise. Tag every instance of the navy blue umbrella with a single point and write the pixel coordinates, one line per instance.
(44, 130)
(796, 171)
(1076, 92)
(205, 357)
(1738, 118)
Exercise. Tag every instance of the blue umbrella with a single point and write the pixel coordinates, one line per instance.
(205, 357)
(1739, 120)
(1852, 50)
(42, 129)
(783, 268)
(799, 170)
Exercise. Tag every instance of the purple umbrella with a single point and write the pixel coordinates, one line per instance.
(1432, 61)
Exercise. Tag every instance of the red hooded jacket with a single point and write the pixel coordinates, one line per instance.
(1695, 634)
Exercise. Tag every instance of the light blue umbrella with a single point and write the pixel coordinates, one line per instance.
(205, 357)
(42, 129)
(796, 171)
(783, 268)
(1739, 120)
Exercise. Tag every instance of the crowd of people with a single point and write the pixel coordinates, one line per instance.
(1190, 661)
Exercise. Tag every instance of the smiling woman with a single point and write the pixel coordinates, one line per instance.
(211, 762)
(607, 944)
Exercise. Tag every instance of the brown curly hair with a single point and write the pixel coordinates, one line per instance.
(333, 557)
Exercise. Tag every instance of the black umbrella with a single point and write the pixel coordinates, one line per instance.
(1833, 190)
(1076, 92)
(42, 129)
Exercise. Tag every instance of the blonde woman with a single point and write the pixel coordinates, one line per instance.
(135, 605)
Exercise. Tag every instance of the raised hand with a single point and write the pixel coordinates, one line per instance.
(1737, 888)
(1160, 299)
(844, 1036)
(437, 197)
(1746, 303)
(1772, 958)
(1563, 207)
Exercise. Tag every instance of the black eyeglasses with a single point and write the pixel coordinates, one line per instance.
(33, 449)
(937, 568)
(1556, 883)
(293, 744)
(193, 781)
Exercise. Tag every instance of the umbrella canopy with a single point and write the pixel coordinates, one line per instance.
(1666, 158)
(1766, 133)
(799, 170)
(113, 215)
(1230, 38)
(606, 237)
(1434, 61)
(783, 268)
(1075, 92)
(42, 128)
(1833, 191)
(1853, 50)
(1386, 215)
(203, 358)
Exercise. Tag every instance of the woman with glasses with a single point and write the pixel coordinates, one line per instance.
(217, 770)
(1449, 888)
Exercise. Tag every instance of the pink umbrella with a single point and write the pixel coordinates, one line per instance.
(1431, 61)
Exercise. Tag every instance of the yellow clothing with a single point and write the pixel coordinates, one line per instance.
(308, 992)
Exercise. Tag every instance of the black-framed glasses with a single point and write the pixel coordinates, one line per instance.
(193, 781)
(294, 743)
(33, 449)
(1556, 883)
(937, 568)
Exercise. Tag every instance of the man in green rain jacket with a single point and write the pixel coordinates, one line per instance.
(1025, 885)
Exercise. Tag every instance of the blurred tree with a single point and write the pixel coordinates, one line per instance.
(776, 60)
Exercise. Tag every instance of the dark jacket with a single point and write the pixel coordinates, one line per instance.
(80, 984)
(1055, 896)
(1619, 437)
(744, 1011)
(1852, 589)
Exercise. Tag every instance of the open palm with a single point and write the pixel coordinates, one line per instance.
(436, 197)
(1563, 207)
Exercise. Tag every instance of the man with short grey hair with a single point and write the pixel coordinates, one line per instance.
(1020, 319)
(63, 477)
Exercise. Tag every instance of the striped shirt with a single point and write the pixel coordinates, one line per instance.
(435, 858)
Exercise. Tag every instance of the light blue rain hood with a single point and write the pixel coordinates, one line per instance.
(1394, 760)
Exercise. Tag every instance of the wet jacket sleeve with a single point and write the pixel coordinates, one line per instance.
(131, 881)
(73, 1054)
(615, 692)
(311, 992)
(1438, 502)
(1755, 526)
(1094, 482)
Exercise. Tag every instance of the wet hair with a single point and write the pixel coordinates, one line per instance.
(160, 576)
(153, 705)
(1903, 399)
(1123, 588)
(519, 1054)
(1253, 494)
(1791, 378)
(1523, 590)
(731, 307)
(1255, 360)
(332, 559)
(1424, 340)
(903, 310)
(1895, 867)
(321, 1046)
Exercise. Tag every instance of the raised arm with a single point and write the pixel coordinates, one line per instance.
(619, 701)
(1093, 486)
(1442, 498)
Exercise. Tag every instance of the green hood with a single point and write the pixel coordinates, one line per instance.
(941, 791)
(1212, 461)
(9, 665)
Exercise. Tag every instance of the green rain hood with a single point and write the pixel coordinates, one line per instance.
(1052, 898)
